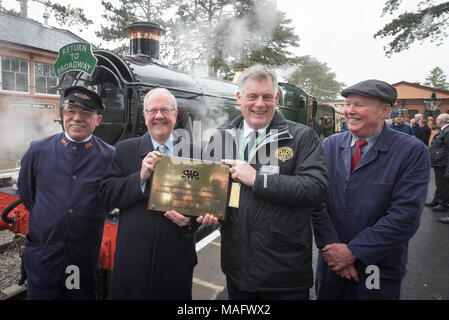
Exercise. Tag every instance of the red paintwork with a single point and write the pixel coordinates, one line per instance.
(21, 226)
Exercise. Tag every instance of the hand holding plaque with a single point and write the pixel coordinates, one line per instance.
(190, 187)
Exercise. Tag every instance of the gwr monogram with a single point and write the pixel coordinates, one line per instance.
(190, 174)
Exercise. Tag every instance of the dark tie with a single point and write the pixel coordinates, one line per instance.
(249, 146)
(162, 149)
(358, 152)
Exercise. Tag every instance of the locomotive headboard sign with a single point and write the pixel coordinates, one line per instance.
(75, 56)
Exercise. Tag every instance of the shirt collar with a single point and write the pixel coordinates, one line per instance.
(447, 124)
(371, 139)
(70, 139)
(247, 129)
(168, 143)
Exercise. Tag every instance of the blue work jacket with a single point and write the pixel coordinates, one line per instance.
(58, 184)
(376, 209)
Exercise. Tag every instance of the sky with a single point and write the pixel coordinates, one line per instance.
(339, 33)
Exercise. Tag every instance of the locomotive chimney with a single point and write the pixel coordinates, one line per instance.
(145, 38)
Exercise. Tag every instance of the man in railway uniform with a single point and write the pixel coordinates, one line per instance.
(58, 183)
(155, 253)
(278, 166)
(378, 180)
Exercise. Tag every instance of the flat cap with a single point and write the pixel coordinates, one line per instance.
(374, 89)
(83, 97)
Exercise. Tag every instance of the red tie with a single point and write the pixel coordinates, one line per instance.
(358, 151)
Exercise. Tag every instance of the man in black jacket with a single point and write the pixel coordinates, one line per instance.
(155, 257)
(278, 167)
(439, 158)
(422, 131)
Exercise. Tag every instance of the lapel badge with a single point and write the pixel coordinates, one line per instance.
(65, 143)
(284, 153)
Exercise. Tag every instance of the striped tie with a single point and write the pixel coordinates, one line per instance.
(162, 149)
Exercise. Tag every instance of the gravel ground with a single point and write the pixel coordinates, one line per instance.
(9, 263)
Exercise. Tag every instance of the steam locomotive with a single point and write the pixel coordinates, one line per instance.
(123, 81)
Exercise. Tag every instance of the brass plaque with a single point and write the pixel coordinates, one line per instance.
(190, 187)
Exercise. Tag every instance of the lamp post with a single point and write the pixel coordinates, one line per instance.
(431, 104)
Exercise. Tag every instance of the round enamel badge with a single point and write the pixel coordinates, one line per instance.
(284, 153)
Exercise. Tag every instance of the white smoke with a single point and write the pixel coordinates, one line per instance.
(18, 127)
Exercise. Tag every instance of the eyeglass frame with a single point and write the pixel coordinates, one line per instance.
(154, 112)
(82, 113)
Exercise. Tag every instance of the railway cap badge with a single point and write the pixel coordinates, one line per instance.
(83, 97)
(284, 153)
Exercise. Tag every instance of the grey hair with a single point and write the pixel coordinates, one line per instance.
(160, 90)
(418, 116)
(444, 117)
(259, 73)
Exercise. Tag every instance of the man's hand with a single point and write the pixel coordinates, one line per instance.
(241, 171)
(177, 218)
(338, 256)
(180, 220)
(207, 219)
(148, 164)
(349, 273)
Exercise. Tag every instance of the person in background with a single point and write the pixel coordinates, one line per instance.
(155, 253)
(422, 131)
(378, 180)
(344, 125)
(416, 118)
(439, 157)
(398, 123)
(58, 182)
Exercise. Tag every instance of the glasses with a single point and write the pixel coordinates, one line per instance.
(153, 112)
(83, 114)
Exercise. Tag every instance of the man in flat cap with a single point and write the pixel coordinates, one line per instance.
(378, 180)
(58, 182)
(398, 123)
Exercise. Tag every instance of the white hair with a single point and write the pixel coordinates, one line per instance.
(259, 73)
(443, 117)
(160, 90)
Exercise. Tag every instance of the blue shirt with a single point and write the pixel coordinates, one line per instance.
(371, 141)
(168, 143)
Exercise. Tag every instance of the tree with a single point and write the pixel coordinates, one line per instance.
(437, 79)
(430, 21)
(65, 15)
(315, 78)
(127, 12)
(236, 33)
(210, 36)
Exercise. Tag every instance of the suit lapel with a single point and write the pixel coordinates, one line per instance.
(146, 145)
(345, 153)
(381, 145)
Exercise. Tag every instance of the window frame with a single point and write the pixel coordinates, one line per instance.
(46, 80)
(15, 78)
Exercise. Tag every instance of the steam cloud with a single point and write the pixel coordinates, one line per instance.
(20, 126)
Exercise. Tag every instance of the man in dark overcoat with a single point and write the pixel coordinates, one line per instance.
(155, 252)
(58, 182)
(439, 158)
(378, 179)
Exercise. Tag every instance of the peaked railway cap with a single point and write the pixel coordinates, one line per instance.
(83, 97)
